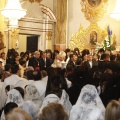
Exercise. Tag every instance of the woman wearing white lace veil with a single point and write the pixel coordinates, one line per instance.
(88, 106)
(15, 96)
(33, 95)
(53, 98)
(31, 109)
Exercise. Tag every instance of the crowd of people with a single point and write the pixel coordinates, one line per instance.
(60, 85)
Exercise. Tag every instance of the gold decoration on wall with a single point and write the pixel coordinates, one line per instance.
(94, 9)
(49, 35)
(15, 34)
(82, 39)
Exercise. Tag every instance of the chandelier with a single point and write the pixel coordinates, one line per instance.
(13, 11)
(116, 12)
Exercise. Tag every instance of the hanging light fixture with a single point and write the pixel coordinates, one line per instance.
(116, 13)
(13, 11)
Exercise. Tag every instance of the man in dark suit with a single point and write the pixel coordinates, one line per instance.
(104, 62)
(73, 59)
(35, 61)
(45, 62)
(114, 66)
(90, 63)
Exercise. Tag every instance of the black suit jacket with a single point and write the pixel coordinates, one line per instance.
(87, 64)
(34, 62)
(103, 65)
(45, 64)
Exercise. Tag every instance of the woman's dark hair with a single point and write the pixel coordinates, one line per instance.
(54, 86)
(56, 81)
(9, 106)
(7, 67)
(7, 87)
(14, 69)
(21, 90)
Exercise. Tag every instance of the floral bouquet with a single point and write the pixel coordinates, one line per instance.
(107, 41)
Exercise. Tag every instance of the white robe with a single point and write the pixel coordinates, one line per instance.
(16, 81)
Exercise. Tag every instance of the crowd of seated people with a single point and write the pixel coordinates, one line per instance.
(65, 85)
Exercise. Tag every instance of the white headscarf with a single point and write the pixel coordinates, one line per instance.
(3, 95)
(88, 106)
(31, 109)
(33, 95)
(52, 98)
(14, 96)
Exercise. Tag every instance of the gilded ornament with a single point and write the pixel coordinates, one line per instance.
(15, 34)
(49, 35)
(87, 38)
(94, 9)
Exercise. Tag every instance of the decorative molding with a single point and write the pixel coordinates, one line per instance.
(49, 35)
(94, 9)
(46, 10)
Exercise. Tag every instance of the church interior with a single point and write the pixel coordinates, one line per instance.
(60, 24)
(59, 59)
